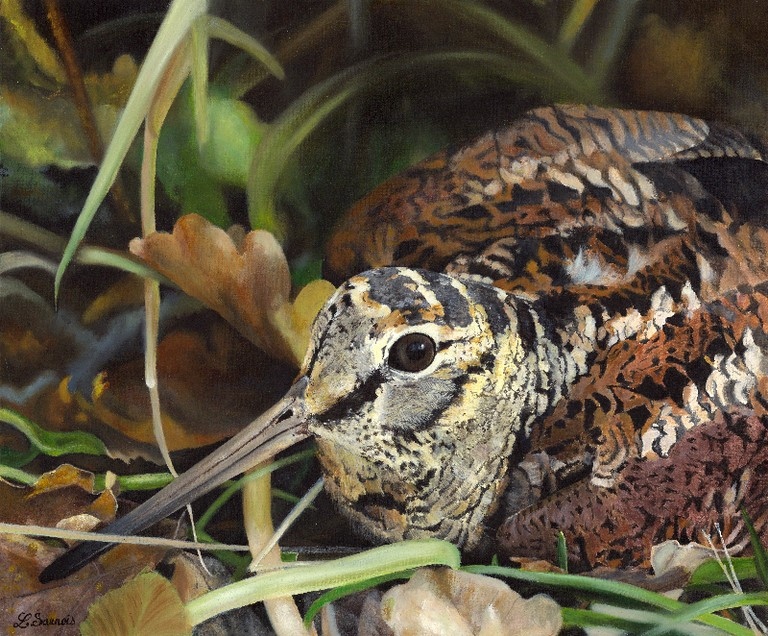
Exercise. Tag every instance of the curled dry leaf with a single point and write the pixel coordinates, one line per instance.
(443, 601)
(61, 498)
(671, 554)
(248, 284)
(55, 497)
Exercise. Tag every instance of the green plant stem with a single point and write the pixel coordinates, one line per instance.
(346, 590)
(324, 575)
(560, 68)
(53, 443)
(589, 618)
(145, 481)
(17, 475)
(700, 610)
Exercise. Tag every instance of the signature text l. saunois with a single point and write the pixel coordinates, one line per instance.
(28, 619)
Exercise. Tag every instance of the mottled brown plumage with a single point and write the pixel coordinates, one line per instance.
(647, 231)
(581, 347)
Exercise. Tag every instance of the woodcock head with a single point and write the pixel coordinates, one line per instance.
(417, 385)
(414, 387)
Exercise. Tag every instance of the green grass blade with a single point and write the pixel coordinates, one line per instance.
(143, 481)
(90, 255)
(54, 443)
(761, 558)
(574, 22)
(347, 590)
(19, 476)
(381, 561)
(586, 585)
(181, 14)
(562, 552)
(559, 66)
(237, 485)
(608, 45)
(712, 572)
(616, 591)
(199, 33)
(227, 32)
(590, 618)
(704, 609)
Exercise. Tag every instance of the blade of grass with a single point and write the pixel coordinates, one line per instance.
(582, 584)
(343, 591)
(761, 558)
(227, 32)
(712, 572)
(286, 523)
(562, 552)
(705, 608)
(54, 443)
(574, 22)
(590, 618)
(19, 476)
(144, 481)
(173, 29)
(19, 259)
(87, 255)
(236, 486)
(608, 45)
(199, 53)
(324, 575)
(560, 68)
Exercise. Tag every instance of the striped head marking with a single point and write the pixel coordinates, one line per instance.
(417, 385)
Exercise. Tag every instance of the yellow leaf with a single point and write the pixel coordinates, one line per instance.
(27, 42)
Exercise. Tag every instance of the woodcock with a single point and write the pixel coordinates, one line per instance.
(562, 326)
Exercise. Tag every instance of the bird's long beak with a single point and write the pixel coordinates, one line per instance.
(275, 430)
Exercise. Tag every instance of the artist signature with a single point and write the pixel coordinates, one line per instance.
(28, 619)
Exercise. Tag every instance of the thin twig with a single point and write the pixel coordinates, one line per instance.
(65, 46)
(76, 535)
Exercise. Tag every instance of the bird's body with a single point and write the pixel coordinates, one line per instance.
(563, 326)
(632, 248)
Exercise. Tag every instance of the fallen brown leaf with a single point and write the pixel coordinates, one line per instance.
(56, 496)
(248, 284)
(61, 498)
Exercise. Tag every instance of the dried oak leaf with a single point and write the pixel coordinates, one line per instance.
(248, 283)
(443, 601)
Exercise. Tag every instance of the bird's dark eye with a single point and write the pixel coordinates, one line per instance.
(413, 352)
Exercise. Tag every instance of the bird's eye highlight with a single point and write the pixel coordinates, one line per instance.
(413, 352)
